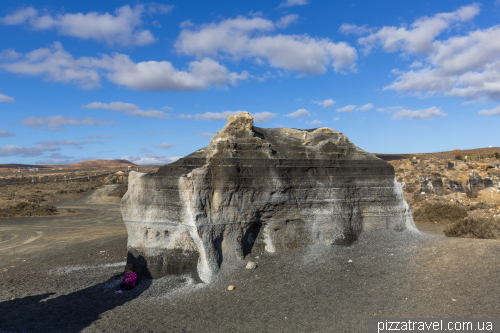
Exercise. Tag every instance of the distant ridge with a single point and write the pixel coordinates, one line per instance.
(97, 163)
(443, 154)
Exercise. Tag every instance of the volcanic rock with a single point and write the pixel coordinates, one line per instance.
(253, 190)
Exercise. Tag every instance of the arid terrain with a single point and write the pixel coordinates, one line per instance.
(60, 271)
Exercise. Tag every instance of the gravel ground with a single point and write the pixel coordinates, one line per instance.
(59, 275)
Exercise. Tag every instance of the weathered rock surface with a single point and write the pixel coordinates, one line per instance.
(252, 190)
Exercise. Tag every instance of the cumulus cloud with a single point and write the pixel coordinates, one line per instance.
(291, 3)
(164, 145)
(315, 122)
(299, 113)
(59, 123)
(11, 150)
(262, 117)
(5, 98)
(151, 159)
(390, 109)
(258, 117)
(355, 29)
(56, 64)
(127, 108)
(168, 108)
(122, 27)
(67, 143)
(186, 116)
(420, 36)
(492, 112)
(285, 21)
(336, 119)
(347, 108)
(465, 66)
(4, 134)
(249, 38)
(327, 103)
(366, 107)
(419, 114)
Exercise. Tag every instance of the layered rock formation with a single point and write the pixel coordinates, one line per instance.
(254, 189)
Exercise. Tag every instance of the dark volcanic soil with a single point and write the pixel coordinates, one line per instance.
(59, 275)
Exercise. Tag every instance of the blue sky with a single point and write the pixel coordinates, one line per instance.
(152, 82)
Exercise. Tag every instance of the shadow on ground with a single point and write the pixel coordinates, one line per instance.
(66, 313)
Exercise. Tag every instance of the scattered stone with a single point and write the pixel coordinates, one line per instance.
(231, 287)
(350, 260)
(251, 265)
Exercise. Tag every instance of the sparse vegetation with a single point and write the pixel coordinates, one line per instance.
(440, 213)
(486, 228)
(459, 157)
(28, 209)
(497, 155)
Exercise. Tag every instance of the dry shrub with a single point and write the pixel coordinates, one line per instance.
(28, 209)
(440, 213)
(485, 228)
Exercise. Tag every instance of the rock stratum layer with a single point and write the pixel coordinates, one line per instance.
(254, 189)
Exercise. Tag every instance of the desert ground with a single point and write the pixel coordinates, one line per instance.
(60, 272)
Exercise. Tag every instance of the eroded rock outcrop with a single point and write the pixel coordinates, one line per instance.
(254, 189)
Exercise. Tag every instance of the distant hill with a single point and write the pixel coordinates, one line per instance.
(444, 154)
(100, 164)
(82, 165)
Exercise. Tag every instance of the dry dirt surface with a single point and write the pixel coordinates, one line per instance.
(59, 274)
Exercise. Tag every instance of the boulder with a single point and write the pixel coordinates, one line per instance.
(252, 190)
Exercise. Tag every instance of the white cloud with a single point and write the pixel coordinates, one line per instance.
(4, 134)
(299, 113)
(258, 117)
(390, 109)
(59, 123)
(327, 103)
(419, 38)
(151, 159)
(158, 8)
(355, 29)
(205, 135)
(186, 116)
(426, 79)
(216, 115)
(164, 145)
(285, 21)
(67, 143)
(366, 107)
(144, 150)
(347, 108)
(168, 108)
(5, 98)
(246, 38)
(419, 114)
(261, 117)
(416, 64)
(315, 122)
(11, 150)
(121, 28)
(465, 66)
(291, 3)
(492, 112)
(55, 64)
(336, 119)
(127, 108)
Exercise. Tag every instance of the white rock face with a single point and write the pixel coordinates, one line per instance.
(255, 190)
